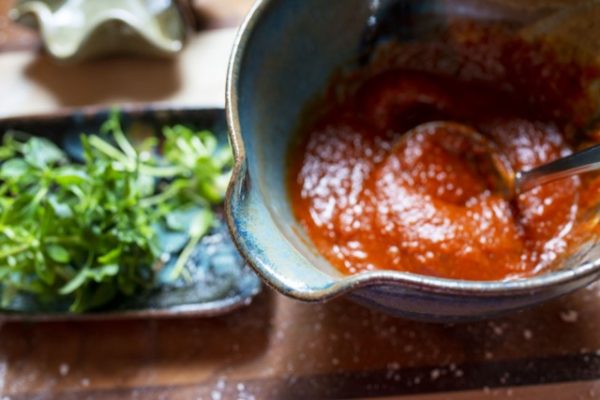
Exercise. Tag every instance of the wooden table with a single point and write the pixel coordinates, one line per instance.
(275, 348)
(278, 348)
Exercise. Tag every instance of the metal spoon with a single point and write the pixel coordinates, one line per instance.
(512, 183)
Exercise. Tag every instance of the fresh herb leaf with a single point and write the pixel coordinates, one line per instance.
(58, 253)
(42, 153)
(93, 231)
(13, 168)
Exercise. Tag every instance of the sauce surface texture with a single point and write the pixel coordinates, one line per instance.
(370, 201)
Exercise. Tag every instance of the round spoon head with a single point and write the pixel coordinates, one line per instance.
(481, 153)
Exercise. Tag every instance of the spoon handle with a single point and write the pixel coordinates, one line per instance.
(583, 161)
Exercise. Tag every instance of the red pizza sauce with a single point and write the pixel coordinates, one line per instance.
(370, 201)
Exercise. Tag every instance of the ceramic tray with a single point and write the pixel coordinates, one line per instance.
(216, 290)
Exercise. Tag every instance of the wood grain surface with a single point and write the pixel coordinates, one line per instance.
(279, 348)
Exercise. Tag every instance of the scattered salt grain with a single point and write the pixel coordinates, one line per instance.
(527, 334)
(394, 366)
(85, 382)
(244, 395)
(63, 369)
(217, 392)
(289, 367)
(569, 316)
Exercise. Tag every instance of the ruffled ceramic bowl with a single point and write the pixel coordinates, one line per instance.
(80, 29)
(285, 54)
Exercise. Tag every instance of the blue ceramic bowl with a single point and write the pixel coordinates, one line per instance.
(285, 55)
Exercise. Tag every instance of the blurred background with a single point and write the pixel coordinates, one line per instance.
(195, 77)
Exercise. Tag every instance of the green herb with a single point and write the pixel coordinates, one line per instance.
(86, 233)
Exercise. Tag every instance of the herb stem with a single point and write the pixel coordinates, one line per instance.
(115, 154)
(124, 144)
(40, 195)
(161, 172)
(15, 250)
(65, 240)
(185, 256)
(109, 150)
(171, 192)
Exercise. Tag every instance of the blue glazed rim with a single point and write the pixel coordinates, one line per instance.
(342, 285)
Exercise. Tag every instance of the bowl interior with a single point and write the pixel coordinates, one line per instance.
(288, 65)
(289, 57)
